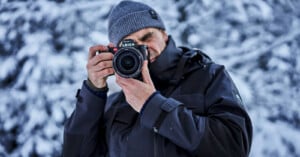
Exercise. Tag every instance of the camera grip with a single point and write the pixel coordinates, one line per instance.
(112, 50)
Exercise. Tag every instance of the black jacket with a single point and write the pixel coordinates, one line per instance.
(197, 111)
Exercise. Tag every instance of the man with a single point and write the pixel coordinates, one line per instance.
(184, 104)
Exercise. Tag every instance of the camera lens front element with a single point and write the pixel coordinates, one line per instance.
(128, 62)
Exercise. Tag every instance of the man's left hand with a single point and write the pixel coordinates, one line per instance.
(136, 91)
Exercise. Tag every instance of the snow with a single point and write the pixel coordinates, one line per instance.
(279, 136)
(7, 66)
(44, 47)
(282, 51)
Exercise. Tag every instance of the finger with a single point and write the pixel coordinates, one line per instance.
(104, 73)
(130, 82)
(145, 73)
(96, 60)
(102, 65)
(100, 58)
(120, 80)
(93, 49)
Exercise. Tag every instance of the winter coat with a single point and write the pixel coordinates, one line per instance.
(196, 112)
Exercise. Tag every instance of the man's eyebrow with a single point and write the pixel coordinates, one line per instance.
(146, 36)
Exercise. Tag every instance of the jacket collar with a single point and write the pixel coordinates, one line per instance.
(163, 68)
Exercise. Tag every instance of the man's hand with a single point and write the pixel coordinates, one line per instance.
(136, 91)
(99, 67)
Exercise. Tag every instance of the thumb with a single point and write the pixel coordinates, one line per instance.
(146, 74)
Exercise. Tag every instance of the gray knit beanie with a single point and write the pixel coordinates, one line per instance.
(128, 17)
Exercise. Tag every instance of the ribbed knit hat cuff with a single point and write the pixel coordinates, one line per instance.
(133, 22)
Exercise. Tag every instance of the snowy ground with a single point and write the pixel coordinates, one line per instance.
(44, 46)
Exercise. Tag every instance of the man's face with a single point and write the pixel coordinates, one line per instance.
(155, 40)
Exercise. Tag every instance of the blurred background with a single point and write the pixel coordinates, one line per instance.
(44, 47)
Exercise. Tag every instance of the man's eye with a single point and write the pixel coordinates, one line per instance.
(147, 36)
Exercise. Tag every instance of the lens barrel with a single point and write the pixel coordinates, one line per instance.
(128, 62)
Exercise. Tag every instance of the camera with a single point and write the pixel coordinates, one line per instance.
(128, 59)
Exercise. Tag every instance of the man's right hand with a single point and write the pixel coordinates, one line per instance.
(99, 67)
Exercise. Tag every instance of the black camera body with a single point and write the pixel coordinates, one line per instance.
(128, 59)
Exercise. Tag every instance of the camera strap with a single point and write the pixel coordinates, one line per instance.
(178, 75)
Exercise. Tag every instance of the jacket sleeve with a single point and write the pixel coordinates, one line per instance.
(224, 130)
(84, 130)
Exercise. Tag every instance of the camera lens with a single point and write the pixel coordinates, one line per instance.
(128, 62)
